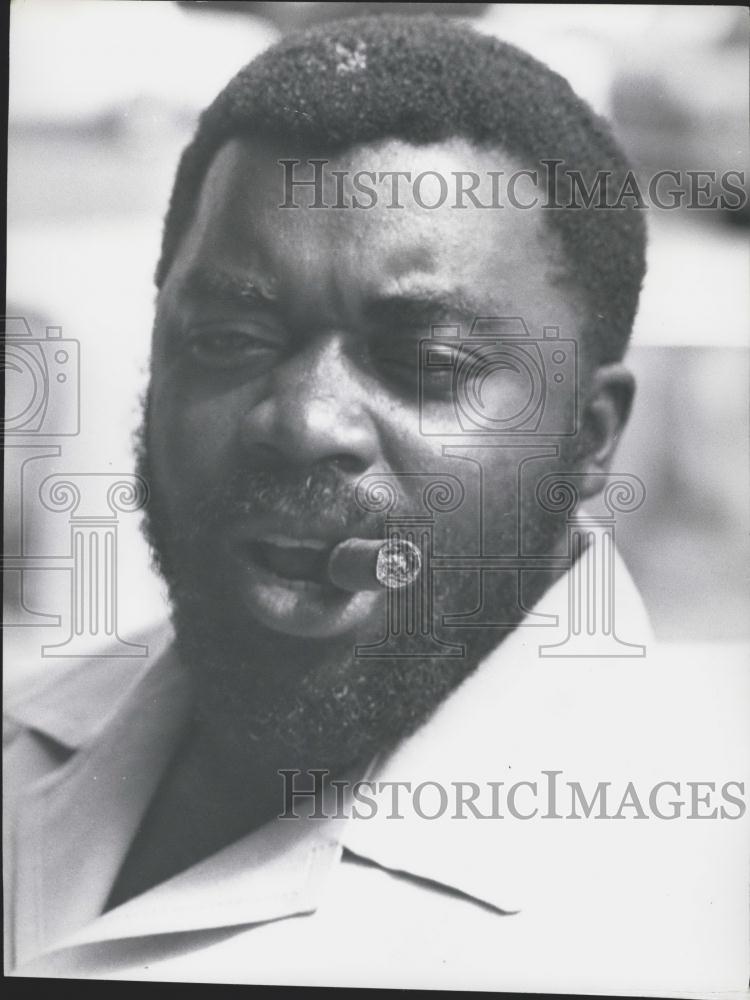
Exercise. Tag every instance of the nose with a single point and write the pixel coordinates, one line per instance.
(314, 410)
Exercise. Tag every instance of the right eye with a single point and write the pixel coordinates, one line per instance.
(230, 347)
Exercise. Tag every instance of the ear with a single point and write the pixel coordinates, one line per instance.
(605, 414)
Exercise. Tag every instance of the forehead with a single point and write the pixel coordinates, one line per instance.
(506, 257)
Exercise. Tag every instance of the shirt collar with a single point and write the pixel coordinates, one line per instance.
(77, 704)
(73, 826)
(507, 722)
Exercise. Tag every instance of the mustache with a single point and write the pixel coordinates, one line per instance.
(324, 493)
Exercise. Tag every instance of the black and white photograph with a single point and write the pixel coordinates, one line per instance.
(377, 497)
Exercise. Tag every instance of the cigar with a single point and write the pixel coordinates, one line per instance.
(367, 564)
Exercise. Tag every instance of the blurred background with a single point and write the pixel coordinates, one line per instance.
(104, 94)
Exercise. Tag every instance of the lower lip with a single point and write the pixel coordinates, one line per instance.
(297, 607)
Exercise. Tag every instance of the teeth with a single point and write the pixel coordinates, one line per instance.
(284, 542)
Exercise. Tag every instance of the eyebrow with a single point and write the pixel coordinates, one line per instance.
(226, 286)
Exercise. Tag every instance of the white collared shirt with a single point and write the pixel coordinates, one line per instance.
(544, 904)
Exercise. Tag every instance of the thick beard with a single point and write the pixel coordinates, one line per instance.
(297, 703)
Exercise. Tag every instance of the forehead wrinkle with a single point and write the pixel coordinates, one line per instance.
(404, 262)
(413, 289)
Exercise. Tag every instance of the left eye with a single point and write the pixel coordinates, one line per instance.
(229, 348)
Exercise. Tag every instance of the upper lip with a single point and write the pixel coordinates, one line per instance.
(313, 534)
(286, 542)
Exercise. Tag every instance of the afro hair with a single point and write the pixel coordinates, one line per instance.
(425, 79)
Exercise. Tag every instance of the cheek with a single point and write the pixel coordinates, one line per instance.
(193, 440)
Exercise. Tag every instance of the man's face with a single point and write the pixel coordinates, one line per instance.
(286, 367)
